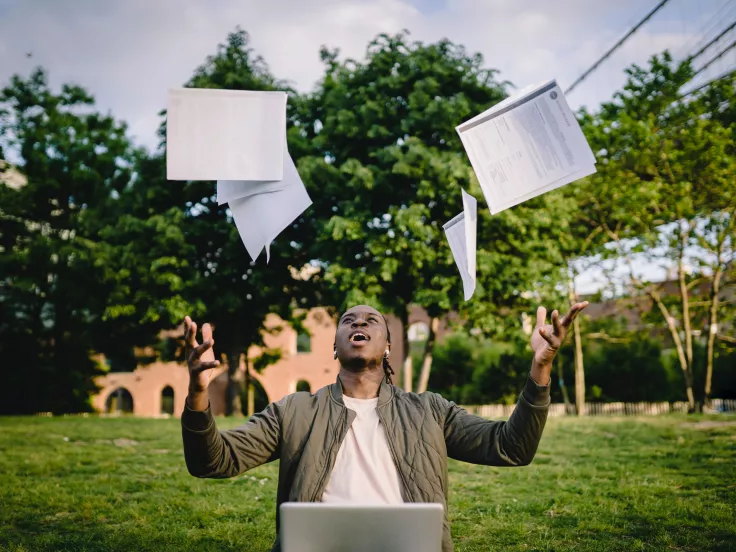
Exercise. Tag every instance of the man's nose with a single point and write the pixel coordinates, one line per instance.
(359, 322)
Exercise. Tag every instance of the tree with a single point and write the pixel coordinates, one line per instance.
(667, 165)
(235, 294)
(389, 167)
(68, 290)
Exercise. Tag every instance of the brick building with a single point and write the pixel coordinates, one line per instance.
(160, 388)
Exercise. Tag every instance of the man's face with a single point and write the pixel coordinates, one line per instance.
(361, 337)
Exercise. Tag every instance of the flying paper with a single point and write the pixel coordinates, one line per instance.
(461, 232)
(262, 216)
(526, 145)
(227, 190)
(225, 134)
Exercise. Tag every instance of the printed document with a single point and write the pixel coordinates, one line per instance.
(526, 145)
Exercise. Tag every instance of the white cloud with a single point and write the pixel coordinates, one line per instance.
(129, 53)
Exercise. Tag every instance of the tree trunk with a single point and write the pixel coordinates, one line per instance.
(427, 361)
(232, 394)
(715, 289)
(686, 322)
(248, 386)
(579, 369)
(563, 387)
(578, 343)
(686, 368)
(404, 375)
(408, 370)
(685, 299)
(712, 332)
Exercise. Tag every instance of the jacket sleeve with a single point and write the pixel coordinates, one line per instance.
(473, 439)
(209, 452)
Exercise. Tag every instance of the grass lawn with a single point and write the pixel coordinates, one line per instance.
(91, 484)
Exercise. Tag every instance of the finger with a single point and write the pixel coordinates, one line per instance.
(206, 332)
(202, 366)
(548, 338)
(573, 313)
(556, 322)
(541, 316)
(190, 336)
(198, 351)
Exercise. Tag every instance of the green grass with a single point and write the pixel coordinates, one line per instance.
(659, 483)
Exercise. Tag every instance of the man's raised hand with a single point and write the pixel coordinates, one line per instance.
(200, 358)
(547, 338)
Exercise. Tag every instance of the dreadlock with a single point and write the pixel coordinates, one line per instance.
(387, 370)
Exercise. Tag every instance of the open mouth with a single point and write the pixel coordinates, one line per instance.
(358, 337)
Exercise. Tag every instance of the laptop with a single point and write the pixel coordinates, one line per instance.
(319, 527)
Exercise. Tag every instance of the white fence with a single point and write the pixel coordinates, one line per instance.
(606, 409)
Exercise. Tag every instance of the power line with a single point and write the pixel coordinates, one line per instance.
(712, 25)
(712, 41)
(616, 46)
(715, 58)
(722, 76)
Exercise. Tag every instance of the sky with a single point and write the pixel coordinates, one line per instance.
(129, 53)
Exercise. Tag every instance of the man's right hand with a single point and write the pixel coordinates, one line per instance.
(200, 361)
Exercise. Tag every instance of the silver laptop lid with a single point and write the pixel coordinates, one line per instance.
(318, 527)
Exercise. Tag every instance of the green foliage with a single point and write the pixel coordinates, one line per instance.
(630, 372)
(73, 267)
(302, 385)
(266, 358)
(470, 370)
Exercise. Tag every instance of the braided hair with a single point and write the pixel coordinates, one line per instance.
(387, 370)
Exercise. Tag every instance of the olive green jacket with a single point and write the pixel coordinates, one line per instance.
(304, 432)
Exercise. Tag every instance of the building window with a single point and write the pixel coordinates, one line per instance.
(302, 385)
(167, 400)
(119, 401)
(303, 343)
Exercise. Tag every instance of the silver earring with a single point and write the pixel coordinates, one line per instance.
(335, 354)
(385, 355)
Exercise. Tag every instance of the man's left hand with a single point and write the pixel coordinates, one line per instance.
(547, 338)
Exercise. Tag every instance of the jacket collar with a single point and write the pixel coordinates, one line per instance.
(385, 392)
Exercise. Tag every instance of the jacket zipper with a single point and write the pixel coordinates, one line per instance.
(330, 461)
(393, 454)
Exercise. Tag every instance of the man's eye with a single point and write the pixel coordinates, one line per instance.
(347, 320)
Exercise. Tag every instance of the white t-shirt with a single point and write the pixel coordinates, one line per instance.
(364, 470)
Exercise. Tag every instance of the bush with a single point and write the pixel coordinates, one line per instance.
(470, 370)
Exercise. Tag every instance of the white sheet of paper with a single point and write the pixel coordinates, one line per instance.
(525, 146)
(543, 190)
(461, 233)
(225, 134)
(262, 217)
(227, 190)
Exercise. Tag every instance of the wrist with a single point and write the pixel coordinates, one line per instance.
(196, 388)
(541, 373)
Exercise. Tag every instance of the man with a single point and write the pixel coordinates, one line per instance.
(362, 439)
